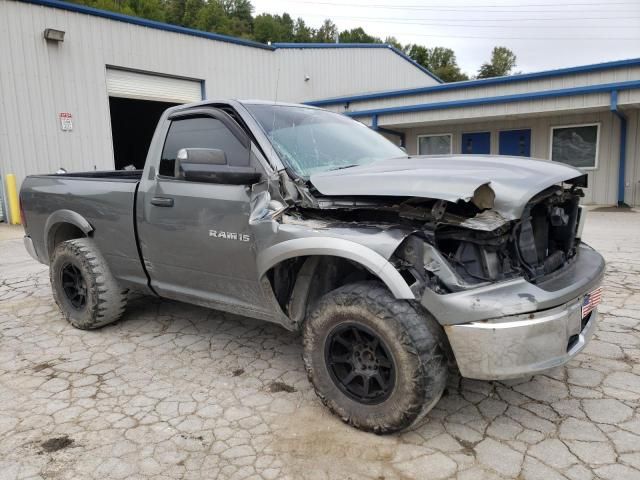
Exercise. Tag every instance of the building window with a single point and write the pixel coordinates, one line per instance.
(437, 144)
(576, 145)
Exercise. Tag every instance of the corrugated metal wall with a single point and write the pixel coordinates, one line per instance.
(603, 181)
(334, 69)
(620, 74)
(39, 80)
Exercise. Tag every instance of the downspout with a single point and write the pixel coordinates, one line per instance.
(623, 148)
(374, 126)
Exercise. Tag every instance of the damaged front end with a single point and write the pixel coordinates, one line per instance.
(453, 246)
(485, 248)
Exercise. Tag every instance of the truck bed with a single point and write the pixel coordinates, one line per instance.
(106, 200)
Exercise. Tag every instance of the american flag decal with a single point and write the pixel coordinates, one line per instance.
(591, 301)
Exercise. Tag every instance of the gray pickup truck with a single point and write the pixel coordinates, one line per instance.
(393, 267)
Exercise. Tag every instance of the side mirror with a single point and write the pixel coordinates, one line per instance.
(210, 165)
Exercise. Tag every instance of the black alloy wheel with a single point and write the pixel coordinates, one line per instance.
(360, 364)
(74, 286)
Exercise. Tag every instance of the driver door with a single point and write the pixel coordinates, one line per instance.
(194, 235)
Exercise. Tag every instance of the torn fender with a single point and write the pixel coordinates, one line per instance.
(336, 247)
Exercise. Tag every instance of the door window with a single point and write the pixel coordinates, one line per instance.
(200, 132)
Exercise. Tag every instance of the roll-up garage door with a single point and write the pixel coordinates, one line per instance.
(143, 86)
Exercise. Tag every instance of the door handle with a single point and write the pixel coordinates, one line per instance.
(162, 202)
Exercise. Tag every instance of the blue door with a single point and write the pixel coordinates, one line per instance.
(515, 142)
(478, 143)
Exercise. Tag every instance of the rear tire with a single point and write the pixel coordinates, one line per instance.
(374, 361)
(83, 287)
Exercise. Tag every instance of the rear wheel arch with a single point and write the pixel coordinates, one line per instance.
(63, 225)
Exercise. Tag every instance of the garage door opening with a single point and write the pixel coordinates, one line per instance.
(132, 125)
(136, 102)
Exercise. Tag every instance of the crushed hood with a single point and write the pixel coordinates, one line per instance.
(453, 178)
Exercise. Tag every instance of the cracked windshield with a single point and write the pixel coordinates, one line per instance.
(311, 141)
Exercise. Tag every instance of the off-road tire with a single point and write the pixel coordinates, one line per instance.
(105, 299)
(412, 336)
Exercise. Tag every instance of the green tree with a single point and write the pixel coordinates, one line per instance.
(239, 9)
(174, 11)
(393, 41)
(239, 28)
(302, 33)
(357, 35)
(326, 33)
(192, 10)
(213, 18)
(439, 60)
(151, 9)
(502, 63)
(273, 28)
(443, 63)
(419, 53)
(112, 5)
(288, 28)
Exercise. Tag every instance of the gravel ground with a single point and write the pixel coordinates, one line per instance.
(175, 391)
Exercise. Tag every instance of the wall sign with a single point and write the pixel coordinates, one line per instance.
(66, 121)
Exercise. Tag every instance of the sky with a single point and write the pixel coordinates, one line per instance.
(544, 34)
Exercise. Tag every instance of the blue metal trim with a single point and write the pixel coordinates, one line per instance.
(517, 97)
(479, 83)
(622, 163)
(329, 45)
(359, 45)
(374, 126)
(147, 23)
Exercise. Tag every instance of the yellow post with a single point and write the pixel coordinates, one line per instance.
(12, 198)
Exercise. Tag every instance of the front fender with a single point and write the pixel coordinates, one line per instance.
(337, 247)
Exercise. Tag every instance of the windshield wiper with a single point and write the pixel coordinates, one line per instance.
(344, 166)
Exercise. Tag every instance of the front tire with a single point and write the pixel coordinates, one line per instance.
(374, 361)
(83, 287)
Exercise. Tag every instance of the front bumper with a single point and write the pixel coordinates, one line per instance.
(521, 345)
(515, 328)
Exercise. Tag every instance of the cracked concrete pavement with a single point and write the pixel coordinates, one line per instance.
(176, 391)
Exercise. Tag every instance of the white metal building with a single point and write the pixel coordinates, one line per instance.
(92, 100)
(587, 116)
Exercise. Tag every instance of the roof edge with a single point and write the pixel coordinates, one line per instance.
(480, 82)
